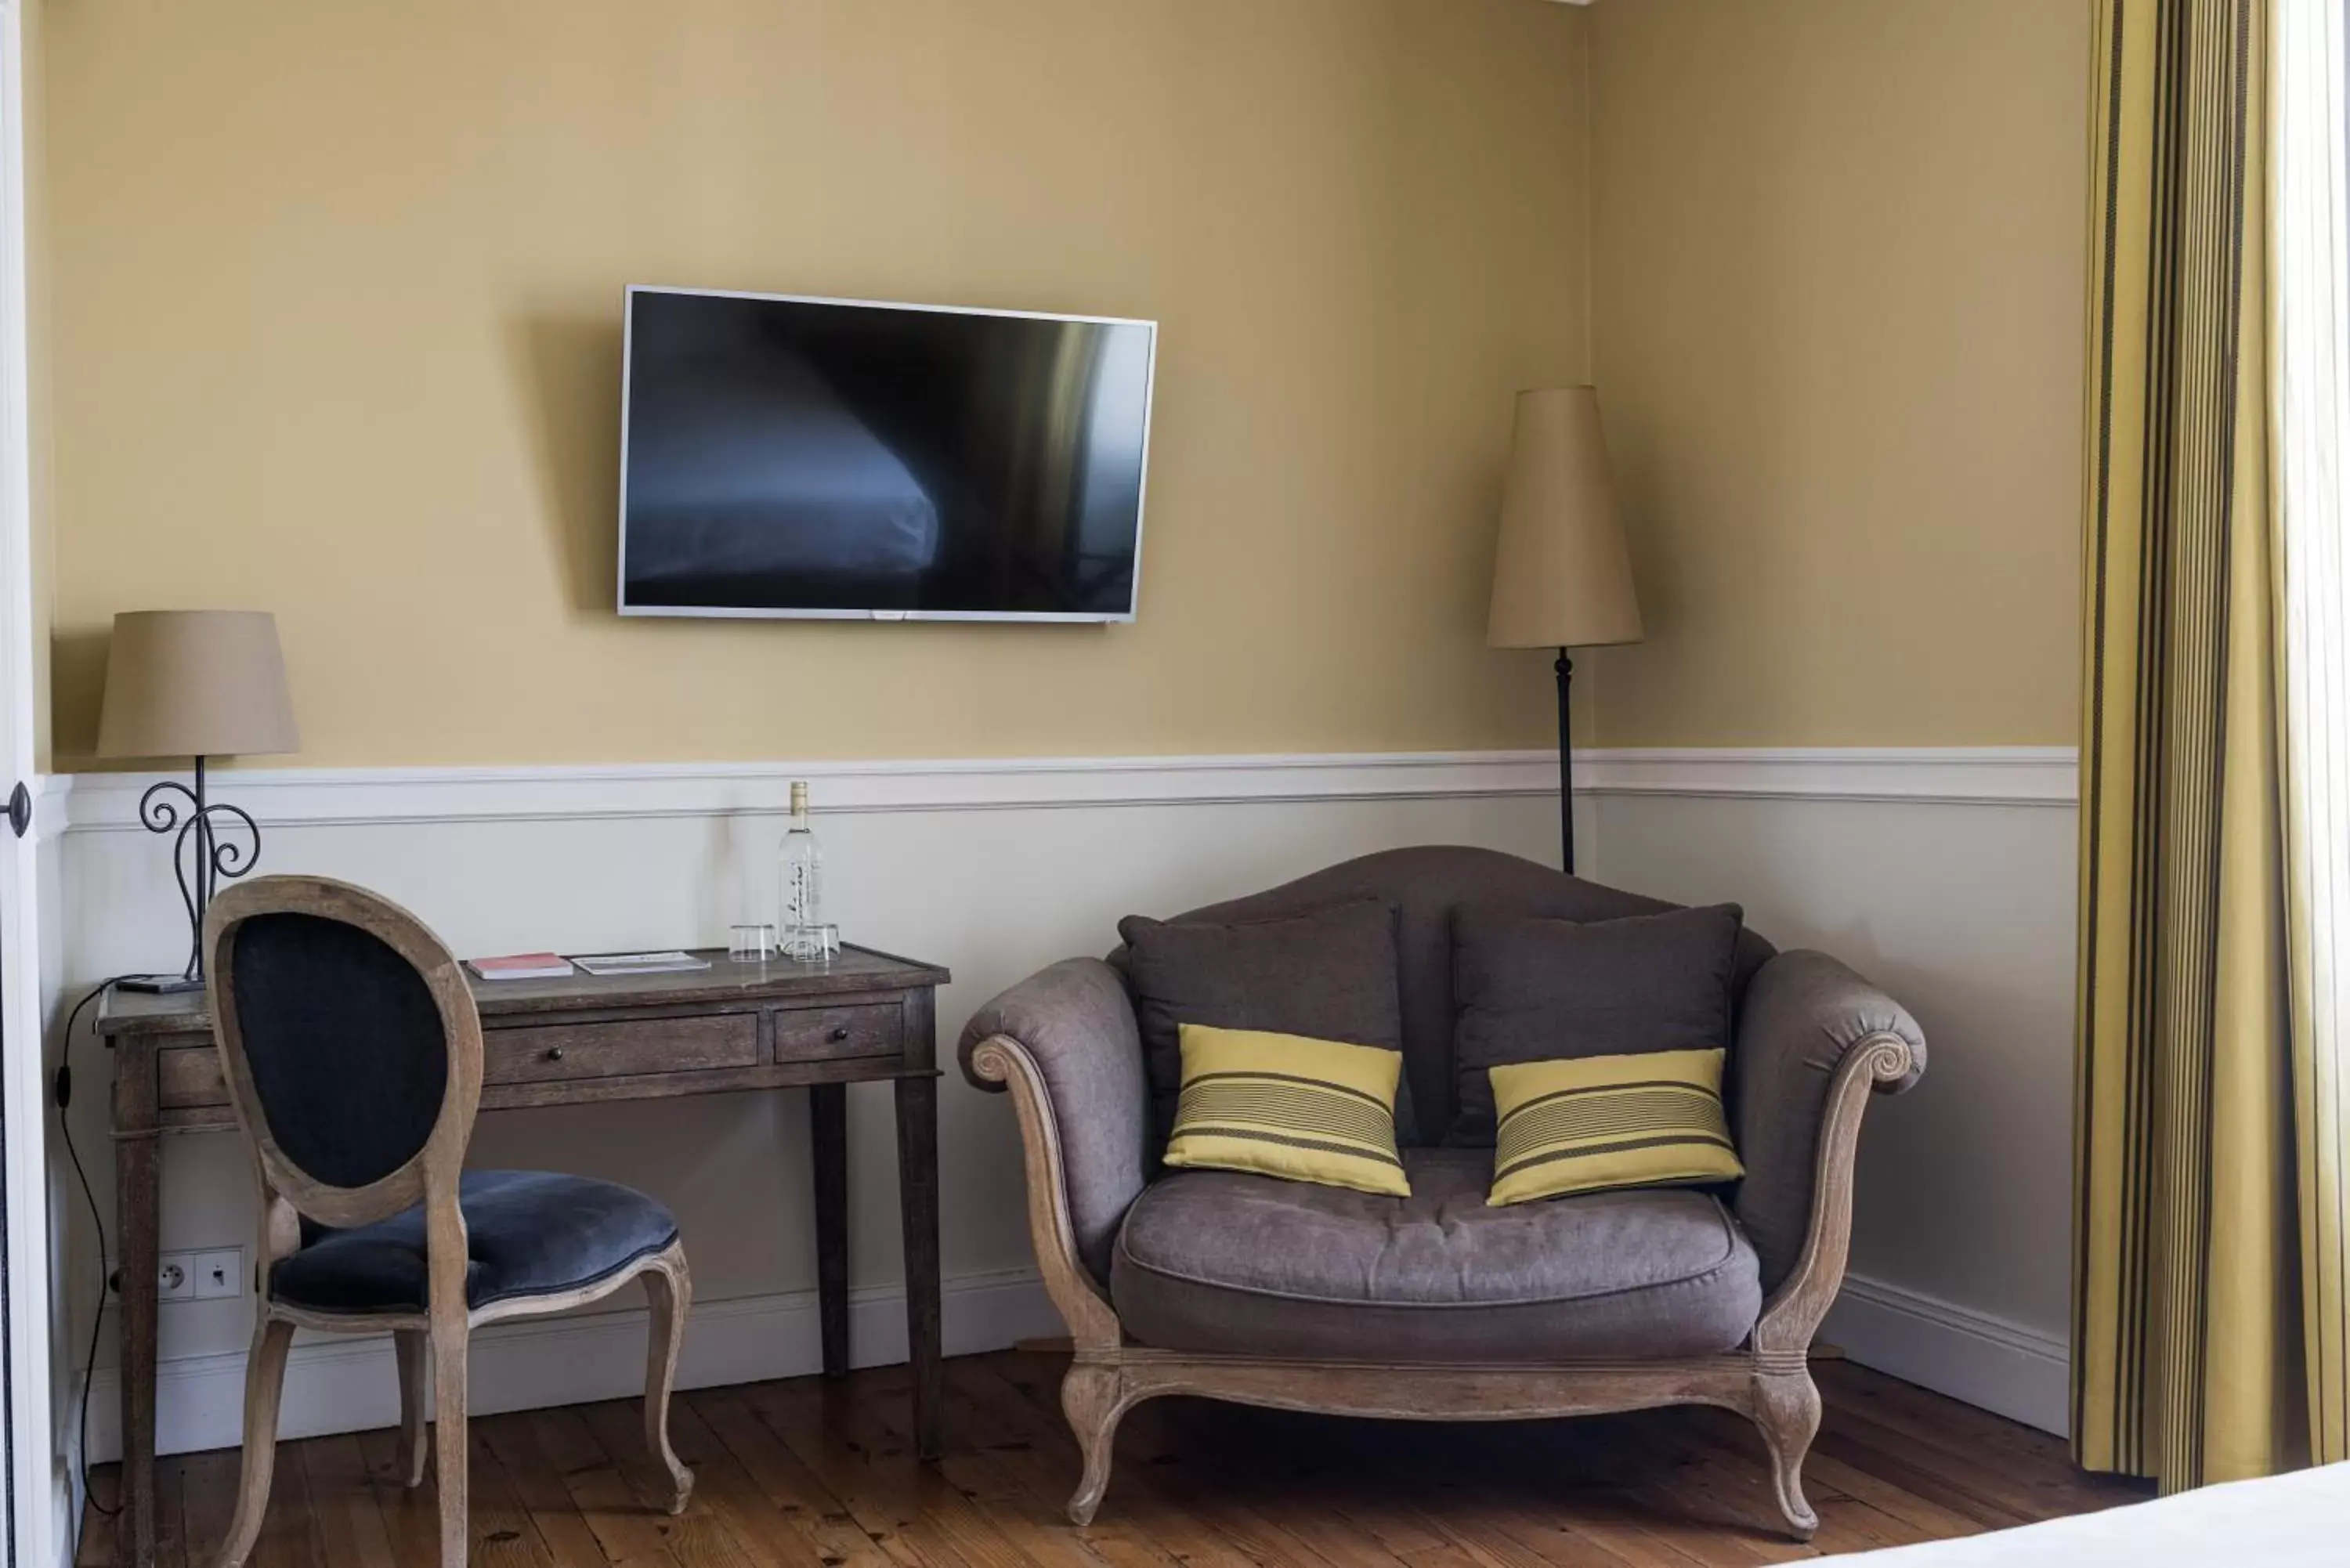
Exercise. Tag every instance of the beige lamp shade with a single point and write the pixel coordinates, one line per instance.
(1561, 577)
(195, 683)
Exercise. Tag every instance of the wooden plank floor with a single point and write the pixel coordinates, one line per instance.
(809, 1474)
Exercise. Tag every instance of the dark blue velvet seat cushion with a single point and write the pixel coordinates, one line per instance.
(529, 1233)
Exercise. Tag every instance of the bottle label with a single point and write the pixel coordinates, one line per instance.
(800, 896)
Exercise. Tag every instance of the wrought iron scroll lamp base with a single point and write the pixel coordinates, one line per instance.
(201, 856)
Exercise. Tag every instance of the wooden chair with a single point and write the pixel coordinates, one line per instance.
(353, 1053)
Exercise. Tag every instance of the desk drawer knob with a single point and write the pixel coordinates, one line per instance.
(839, 1032)
(554, 1053)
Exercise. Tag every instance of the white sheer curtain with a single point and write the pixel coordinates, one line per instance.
(2311, 288)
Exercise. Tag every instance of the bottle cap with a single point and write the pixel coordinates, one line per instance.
(799, 798)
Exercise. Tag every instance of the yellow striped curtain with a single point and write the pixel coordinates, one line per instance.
(2208, 1266)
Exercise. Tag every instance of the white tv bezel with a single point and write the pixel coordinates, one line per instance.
(1142, 502)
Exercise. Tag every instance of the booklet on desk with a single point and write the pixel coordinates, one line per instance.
(669, 962)
(521, 966)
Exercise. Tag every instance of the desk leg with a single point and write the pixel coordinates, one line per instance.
(918, 1197)
(135, 1156)
(829, 1138)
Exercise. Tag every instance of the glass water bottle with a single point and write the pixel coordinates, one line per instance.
(800, 878)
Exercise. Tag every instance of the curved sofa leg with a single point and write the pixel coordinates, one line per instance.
(1787, 1410)
(1094, 1399)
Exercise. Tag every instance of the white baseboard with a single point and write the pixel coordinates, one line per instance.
(347, 1385)
(2002, 1366)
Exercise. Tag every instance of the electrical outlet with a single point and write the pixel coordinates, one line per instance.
(219, 1274)
(201, 1276)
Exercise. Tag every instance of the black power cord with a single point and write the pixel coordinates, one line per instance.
(62, 1093)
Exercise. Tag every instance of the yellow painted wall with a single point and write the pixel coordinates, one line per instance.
(336, 334)
(1839, 262)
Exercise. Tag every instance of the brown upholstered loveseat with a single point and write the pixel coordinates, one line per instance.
(1438, 1306)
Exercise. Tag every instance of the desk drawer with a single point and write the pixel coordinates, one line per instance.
(823, 1033)
(187, 1076)
(619, 1050)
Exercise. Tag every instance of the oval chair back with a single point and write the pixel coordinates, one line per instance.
(350, 1043)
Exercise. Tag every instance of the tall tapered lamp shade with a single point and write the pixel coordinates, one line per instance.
(196, 684)
(1562, 575)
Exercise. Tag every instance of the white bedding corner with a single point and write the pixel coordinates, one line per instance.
(2299, 1521)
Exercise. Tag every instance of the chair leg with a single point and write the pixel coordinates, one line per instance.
(265, 1379)
(412, 1347)
(1787, 1410)
(451, 1447)
(1093, 1401)
(669, 1290)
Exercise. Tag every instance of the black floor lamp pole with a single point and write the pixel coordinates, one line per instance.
(1565, 765)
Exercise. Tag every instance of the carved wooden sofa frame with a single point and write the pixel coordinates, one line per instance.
(1768, 1380)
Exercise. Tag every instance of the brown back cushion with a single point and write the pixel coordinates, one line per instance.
(1425, 883)
(1327, 974)
(1530, 989)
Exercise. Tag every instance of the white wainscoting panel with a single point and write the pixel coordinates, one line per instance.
(1959, 901)
(993, 869)
(1962, 908)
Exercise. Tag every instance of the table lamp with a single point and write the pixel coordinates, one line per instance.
(199, 684)
(1562, 575)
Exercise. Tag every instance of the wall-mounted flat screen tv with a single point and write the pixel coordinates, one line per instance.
(790, 457)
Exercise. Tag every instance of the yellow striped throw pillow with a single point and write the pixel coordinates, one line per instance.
(1649, 1120)
(1282, 1105)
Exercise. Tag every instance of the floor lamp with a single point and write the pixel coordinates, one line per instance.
(1561, 577)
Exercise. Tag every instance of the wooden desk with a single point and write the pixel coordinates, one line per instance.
(861, 1017)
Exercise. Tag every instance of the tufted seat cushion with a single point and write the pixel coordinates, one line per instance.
(1219, 1261)
(529, 1233)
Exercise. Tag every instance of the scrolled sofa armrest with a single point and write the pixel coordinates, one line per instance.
(1075, 1022)
(1804, 1013)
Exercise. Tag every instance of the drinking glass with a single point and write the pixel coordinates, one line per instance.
(752, 943)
